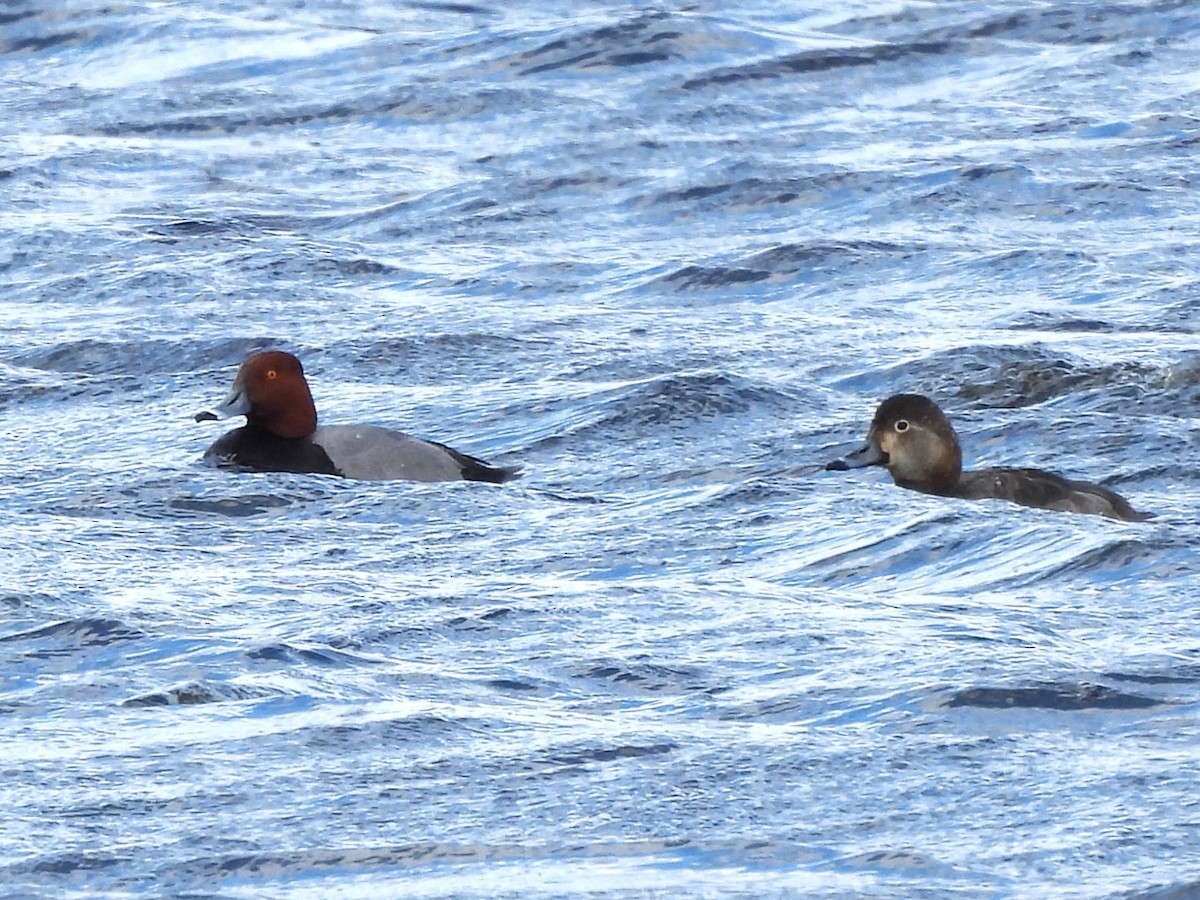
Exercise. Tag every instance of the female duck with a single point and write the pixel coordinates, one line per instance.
(913, 438)
(281, 434)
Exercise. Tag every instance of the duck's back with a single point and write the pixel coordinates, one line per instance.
(376, 454)
(1045, 490)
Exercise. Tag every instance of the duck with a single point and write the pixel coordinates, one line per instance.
(912, 437)
(281, 434)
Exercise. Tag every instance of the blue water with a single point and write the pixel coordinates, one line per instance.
(668, 258)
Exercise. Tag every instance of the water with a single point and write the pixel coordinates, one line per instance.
(668, 259)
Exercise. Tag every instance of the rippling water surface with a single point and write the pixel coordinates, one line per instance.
(668, 258)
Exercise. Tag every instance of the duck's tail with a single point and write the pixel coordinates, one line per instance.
(476, 469)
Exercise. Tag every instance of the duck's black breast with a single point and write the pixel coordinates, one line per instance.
(255, 448)
(1045, 490)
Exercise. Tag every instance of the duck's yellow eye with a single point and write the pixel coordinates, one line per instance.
(272, 374)
(901, 425)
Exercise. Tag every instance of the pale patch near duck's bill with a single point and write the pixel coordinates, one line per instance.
(869, 454)
(236, 404)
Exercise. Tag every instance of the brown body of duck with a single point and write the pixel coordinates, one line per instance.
(913, 438)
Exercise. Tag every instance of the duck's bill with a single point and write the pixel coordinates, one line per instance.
(236, 404)
(868, 454)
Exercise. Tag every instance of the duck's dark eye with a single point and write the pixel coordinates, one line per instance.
(272, 374)
(902, 425)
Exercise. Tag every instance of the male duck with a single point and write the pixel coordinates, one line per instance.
(281, 434)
